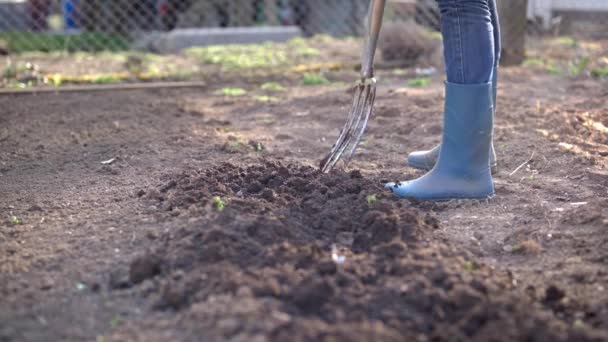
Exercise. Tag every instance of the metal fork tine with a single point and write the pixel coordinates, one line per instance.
(352, 129)
(347, 125)
(360, 111)
(369, 107)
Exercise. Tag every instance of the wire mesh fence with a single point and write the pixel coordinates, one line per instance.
(94, 25)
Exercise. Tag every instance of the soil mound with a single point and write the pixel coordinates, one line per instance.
(284, 252)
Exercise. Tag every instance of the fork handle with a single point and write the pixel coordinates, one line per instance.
(376, 13)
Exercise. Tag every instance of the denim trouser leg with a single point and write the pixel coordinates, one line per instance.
(468, 40)
(496, 27)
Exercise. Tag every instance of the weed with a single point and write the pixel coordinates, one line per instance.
(600, 72)
(565, 41)
(267, 99)
(273, 86)
(419, 82)
(241, 56)
(20, 42)
(233, 92)
(105, 79)
(534, 62)
(553, 69)
(307, 51)
(15, 220)
(218, 203)
(371, 199)
(579, 67)
(115, 322)
(314, 79)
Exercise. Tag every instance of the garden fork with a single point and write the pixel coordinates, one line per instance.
(365, 94)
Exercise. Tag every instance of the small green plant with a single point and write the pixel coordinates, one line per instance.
(232, 91)
(21, 42)
(115, 321)
(105, 79)
(468, 266)
(249, 56)
(600, 72)
(566, 41)
(371, 199)
(273, 86)
(57, 80)
(314, 79)
(579, 67)
(553, 69)
(267, 99)
(419, 82)
(218, 203)
(15, 220)
(534, 62)
(307, 51)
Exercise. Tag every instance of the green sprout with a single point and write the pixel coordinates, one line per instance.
(371, 199)
(115, 321)
(105, 79)
(314, 79)
(419, 82)
(534, 62)
(15, 220)
(272, 86)
(577, 68)
(553, 69)
(308, 52)
(218, 203)
(232, 91)
(600, 72)
(266, 99)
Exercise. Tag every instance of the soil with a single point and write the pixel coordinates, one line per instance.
(184, 215)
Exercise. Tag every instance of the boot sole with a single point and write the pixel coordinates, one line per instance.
(425, 167)
(453, 198)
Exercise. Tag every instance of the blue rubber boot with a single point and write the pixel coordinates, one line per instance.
(463, 165)
(425, 160)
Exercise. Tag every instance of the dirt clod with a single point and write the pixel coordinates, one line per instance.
(144, 267)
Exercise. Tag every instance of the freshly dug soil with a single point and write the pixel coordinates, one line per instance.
(137, 249)
(285, 252)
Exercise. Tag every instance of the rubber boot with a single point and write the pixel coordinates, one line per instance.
(425, 160)
(463, 165)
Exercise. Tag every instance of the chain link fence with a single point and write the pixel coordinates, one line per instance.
(93, 25)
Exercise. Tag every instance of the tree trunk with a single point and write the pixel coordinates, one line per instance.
(513, 21)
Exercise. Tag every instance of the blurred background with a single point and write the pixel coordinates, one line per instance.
(32, 30)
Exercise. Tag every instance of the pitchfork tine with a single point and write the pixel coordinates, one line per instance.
(363, 101)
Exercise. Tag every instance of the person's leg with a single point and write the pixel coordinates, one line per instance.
(426, 159)
(463, 168)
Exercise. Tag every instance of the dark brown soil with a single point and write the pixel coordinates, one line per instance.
(212, 222)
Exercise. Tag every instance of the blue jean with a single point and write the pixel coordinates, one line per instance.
(471, 39)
